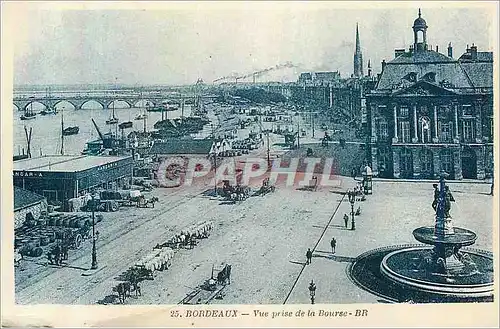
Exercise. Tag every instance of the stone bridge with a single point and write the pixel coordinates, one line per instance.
(106, 101)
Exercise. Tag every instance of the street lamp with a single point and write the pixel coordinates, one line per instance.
(312, 291)
(352, 200)
(94, 251)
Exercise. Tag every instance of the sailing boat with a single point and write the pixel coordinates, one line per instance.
(112, 120)
(49, 109)
(69, 130)
(143, 114)
(28, 112)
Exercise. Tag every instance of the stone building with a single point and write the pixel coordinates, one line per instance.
(27, 206)
(430, 112)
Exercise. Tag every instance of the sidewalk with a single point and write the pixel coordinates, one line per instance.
(388, 217)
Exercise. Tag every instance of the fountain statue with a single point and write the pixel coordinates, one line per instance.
(443, 268)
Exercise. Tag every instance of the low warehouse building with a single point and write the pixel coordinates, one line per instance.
(61, 177)
(27, 206)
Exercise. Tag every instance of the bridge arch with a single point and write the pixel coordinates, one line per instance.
(110, 103)
(103, 105)
(65, 101)
(37, 105)
(144, 103)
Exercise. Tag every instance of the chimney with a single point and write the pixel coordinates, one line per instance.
(383, 65)
(398, 52)
(473, 51)
(437, 49)
(450, 50)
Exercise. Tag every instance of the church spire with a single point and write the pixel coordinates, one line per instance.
(358, 56)
(358, 45)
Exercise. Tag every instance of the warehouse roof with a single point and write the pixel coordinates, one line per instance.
(182, 146)
(64, 163)
(24, 198)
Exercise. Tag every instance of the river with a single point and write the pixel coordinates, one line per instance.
(46, 136)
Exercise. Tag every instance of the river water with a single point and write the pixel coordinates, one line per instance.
(46, 135)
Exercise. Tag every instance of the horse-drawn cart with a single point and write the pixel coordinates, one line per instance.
(235, 193)
(210, 289)
(63, 231)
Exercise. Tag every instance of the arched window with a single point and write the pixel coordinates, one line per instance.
(424, 131)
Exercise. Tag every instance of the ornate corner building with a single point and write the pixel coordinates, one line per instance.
(430, 112)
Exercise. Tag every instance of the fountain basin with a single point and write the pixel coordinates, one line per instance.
(409, 268)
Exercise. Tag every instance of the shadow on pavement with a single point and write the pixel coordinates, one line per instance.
(295, 262)
(328, 255)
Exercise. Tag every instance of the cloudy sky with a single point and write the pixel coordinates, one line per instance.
(179, 43)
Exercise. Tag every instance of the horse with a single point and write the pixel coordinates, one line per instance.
(224, 275)
(123, 288)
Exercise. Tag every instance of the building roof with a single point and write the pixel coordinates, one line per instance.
(423, 64)
(480, 73)
(182, 146)
(24, 198)
(481, 56)
(326, 76)
(64, 163)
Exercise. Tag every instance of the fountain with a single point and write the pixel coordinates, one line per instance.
(443, 269)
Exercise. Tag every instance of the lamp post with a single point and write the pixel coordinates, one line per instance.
(312, 291)
(352, 199)
(94, 251)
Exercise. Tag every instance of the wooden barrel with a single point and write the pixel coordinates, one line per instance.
(72, 222)
(80, 223)
(51, 236)
(36, 252)
(34, 241)
(44, 240)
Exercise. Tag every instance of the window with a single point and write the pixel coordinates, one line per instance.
(404, 132)
(468, 130)
(467, 110)
(384, 159)
(446, 158)
(425, 134)
(446, 132)
(381, 128)
(406, 163)
(403, 111)
(426, 161)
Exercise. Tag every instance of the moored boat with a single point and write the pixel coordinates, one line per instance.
(71, 130)
(126, 124)
(112, 121)
(28, 116)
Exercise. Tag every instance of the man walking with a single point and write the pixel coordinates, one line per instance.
(333, 243)
(346, 220)
(309, 255)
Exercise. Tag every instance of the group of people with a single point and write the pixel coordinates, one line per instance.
(309, 253)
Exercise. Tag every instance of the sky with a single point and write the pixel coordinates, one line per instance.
(179, 43)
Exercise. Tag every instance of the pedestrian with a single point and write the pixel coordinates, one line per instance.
(309, 255)
(346, 220)
(333, 244)
(492, 184)
(353, 173)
